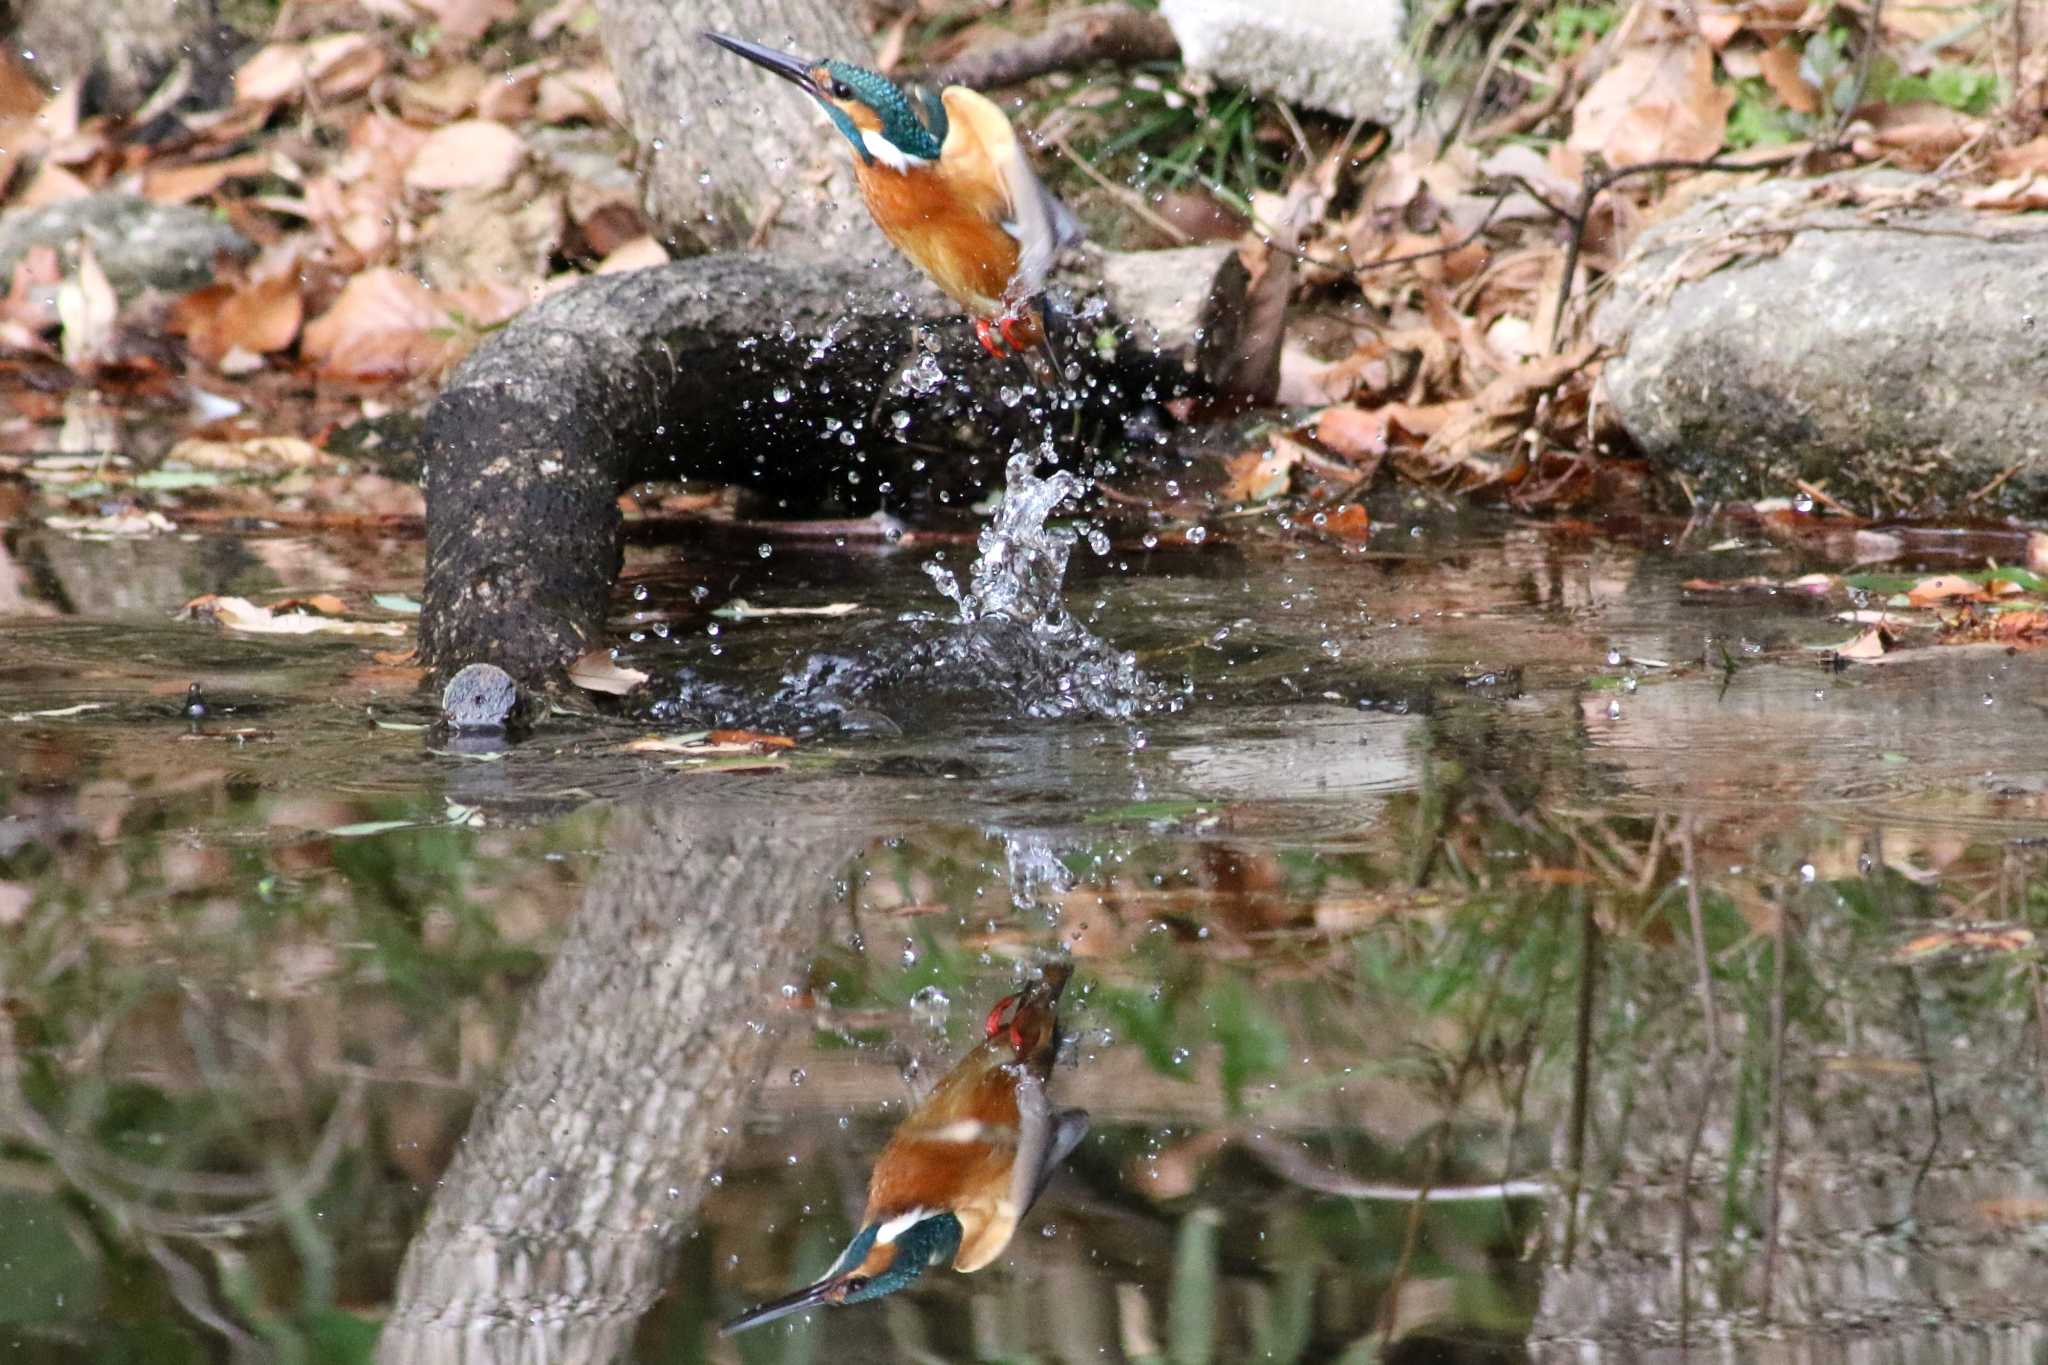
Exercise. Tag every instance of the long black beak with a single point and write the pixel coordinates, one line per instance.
(788, 67)
(809, 1297)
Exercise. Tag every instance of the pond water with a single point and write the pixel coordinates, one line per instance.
(1489, 853)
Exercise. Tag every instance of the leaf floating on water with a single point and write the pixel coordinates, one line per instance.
(1946, 587)
(61, 712)
(706, 743)
(121, 524)
(365, 828)
(597, 671)
(1964, 938)
(238, 613)
(739, 609)
(325, 603)
(1872, 643)
(752, 739)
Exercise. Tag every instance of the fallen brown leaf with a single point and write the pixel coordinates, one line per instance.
(472, 154)
(597, 671)
(2029, 158)
(1781, 71)
(386, 324)
(333, 67)
(238, 613)
(1871, 643)
(1945, 588)
(181, 184)
(256, 318)
(1964, 938)
(86, 309)
(1657, 102)
(1350, 522)
(1261, 475)
(257, 455)
(753, 739)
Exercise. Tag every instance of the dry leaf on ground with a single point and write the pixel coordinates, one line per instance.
(333, 67)
(386, 324)
(597, 671)
(470, 155)
(87, 308)
(1656, 103)
(254, 318)
(257, 455)
(239, 613)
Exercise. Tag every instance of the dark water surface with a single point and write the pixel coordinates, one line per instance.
(1392, 897)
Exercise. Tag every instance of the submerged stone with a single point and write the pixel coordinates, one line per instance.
(138, 243)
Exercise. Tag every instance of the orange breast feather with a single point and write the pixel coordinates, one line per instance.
(951, 236)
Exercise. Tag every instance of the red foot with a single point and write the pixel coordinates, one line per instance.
(985, 333)
(1010, 324)
(995, 1016)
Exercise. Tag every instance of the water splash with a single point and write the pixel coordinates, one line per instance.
(1009, 648)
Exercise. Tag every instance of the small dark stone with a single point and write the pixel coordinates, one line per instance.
(480, 697)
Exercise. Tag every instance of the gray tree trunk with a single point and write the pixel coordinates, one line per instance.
(731, 156)
(553, 1231)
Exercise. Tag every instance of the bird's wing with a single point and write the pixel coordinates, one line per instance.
(991, 1217)
(1069, 1126)
(982, 149)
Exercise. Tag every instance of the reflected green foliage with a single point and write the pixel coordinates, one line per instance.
(218, 1051)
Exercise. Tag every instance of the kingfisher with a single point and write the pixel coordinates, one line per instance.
(948, 182)
(964, 1167)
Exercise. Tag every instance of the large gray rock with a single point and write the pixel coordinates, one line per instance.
(1345, 57)
(1833, 331)
(138, 243)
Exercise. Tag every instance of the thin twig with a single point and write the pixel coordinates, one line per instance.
(1863, 63)
(1582, 1071)
(1130, 198)
(1710, 1070)
(1368, 266)
(1933, 1094)
(1780, 940)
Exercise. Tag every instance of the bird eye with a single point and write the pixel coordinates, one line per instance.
(841, 90)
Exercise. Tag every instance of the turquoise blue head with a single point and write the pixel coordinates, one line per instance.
(882, 1259)
(861, 102)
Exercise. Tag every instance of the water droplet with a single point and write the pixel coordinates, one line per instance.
(930, 1006)
(765, 550)
(1180, 1056)
(1615, 658)
(797, 1076)
(780, 393)
(1614, 708)
(1197, 534)
(1806, 873)
(910, 953)
(639, 592)
(900, 419)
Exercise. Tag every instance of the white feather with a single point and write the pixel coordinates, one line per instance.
(899, 1225)
(888, 153)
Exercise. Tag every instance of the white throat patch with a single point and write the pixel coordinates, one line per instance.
(887, 152)
(899, 1225)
